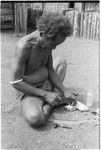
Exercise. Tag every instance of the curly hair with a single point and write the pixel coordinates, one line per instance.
(52, 23)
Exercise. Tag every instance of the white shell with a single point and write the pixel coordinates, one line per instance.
(80, 106)
(70, 108)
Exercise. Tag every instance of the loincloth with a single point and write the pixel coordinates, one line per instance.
(46, 85)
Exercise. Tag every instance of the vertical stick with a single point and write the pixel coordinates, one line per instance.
(25, 18)
(42, 6)
(75, 33)
(79, 19)
(97, 29)
(81, 25)
(94, 25)
(89, 25)
(85, 26)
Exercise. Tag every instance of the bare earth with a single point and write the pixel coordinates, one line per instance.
(82, 72)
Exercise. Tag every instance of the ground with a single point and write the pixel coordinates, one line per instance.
(82, 58)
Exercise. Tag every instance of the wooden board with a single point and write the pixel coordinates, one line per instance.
(20, 18)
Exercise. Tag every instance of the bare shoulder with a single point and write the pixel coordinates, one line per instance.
(26, 42)
(34, 36)
(23, 49)
(20, 50)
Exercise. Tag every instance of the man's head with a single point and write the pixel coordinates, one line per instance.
(55, 27)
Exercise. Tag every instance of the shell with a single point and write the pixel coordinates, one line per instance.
(80, 106)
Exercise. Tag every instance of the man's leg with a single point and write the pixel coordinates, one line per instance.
(35, 111)
(60, 66)
(33, 108)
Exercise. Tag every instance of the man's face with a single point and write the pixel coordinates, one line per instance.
(54, 43)
(59, 39)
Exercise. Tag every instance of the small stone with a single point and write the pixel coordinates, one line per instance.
(55, 125)
(96, 112)
(39, 141)
(85, 113)
(77, 116)
(76, 146)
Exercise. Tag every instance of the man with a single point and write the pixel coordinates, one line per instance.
(33, 73)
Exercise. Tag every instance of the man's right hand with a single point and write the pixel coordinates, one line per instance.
(53, 98)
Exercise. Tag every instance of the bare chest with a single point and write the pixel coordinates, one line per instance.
(38, 59)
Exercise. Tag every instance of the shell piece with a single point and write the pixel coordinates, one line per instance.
(80, 106)
(70, 108)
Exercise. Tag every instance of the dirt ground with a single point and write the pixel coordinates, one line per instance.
(82, 72)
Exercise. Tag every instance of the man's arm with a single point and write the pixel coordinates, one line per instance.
(18, 66)
(54, 77)
(56, 81)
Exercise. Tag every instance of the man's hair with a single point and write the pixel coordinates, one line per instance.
(52, 23)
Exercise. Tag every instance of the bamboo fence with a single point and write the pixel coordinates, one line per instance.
(85, 25)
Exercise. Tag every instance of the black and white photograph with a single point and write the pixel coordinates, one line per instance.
(50, 75)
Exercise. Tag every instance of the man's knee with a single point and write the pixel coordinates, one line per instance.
(36, 119)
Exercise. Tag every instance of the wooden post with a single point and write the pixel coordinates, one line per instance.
(42, 6)
(98, 28)
(85, 25)
(13, 14)
(20, 19)
(89, 25)
(92, 26)
(76, 26)
(81, 24)
(83, 7)
(94, 32)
